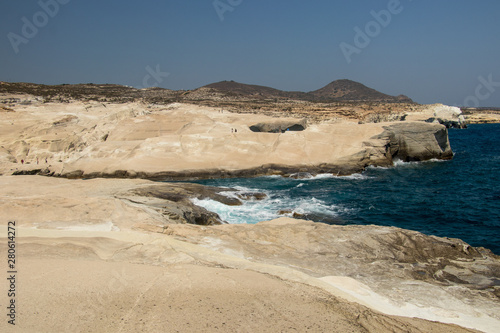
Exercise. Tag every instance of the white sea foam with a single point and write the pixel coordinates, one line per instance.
(355, 176)
(316, 206)
(322, 176)
(399, 163)
(308, 176)
(249, 212)
(374, 167)
(253, 211)
(242, 190)
(272, 176)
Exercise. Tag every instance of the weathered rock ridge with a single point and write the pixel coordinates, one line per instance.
(417, 142)
(179, 141)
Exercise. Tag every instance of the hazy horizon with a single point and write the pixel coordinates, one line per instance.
(433, 52)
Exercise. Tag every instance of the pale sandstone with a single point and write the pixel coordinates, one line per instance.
(122, 266)
(80, 139)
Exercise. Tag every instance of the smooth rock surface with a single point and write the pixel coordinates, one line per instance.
(100, 255)
(182, 141)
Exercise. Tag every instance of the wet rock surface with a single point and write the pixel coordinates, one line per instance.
(175, 200)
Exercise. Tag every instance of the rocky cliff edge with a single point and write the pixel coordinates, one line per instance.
(182, 141)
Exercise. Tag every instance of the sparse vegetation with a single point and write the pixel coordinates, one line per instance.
(342, 98)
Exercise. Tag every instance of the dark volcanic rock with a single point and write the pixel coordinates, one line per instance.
(342, 169)
(175, 202)
(279, 127)
(179, 191)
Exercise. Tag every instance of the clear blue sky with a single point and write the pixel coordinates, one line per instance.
(431, 50)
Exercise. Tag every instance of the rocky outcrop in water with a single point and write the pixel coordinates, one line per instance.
(417, 142)
(174, 200)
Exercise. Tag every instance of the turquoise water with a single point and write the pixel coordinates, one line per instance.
(458, 198)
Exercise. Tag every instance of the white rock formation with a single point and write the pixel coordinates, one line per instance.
(450, 116)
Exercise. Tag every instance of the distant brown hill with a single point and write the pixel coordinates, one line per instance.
(337, 91)
(255, 91)
(347, 90)
(340, 90)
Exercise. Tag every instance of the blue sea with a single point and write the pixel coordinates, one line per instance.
(459, 198)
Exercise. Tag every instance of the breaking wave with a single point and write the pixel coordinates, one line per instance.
(276, 204)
